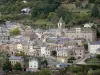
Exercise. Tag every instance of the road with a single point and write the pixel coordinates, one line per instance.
(82, 60)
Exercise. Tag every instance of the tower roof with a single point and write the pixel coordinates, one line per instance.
(61, 20)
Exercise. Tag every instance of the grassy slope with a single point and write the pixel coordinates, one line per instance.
(43, 21)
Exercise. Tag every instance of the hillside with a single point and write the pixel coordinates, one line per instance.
(48, 12)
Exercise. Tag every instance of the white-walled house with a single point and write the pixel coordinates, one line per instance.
(94, 47)
(37, 63)
(45, 51)
(33, 65)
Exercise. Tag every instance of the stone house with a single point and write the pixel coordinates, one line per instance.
(94, 47)
(16, 59)
(78, 52)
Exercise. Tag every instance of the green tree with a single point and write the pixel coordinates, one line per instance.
(14, 31)
(44, 63)
(98, 56)
(97, 1)
(84, 15)
(51, 15)
(85, 46)
(91, 1)
(78, 4)
(71, 59)
(22, 54)
(17, 66)
(45, 72)
(61, 12)
(44, 7)
(64, 13)
(75, 69)
(94, 72)
(3, 1)
(7, 66)
(95, 11)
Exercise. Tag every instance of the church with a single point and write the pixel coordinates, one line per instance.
(88, 34)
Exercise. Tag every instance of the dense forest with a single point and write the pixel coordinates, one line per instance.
(46, 13)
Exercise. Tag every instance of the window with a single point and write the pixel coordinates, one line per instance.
(72, 35)
(58, 54)
(77, 36)
(35, 66)
(74, 50)
(64, 54)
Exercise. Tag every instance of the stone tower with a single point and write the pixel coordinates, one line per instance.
(61, 23)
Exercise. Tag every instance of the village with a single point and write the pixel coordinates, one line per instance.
(53, 48)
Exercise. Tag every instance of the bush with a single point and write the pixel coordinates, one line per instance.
(17, 66)
(94, 72)
(97, 1)
(7, 66)
(75, 69)
(78, 4)
(91, 1)
(14, 31)
(71, 59)
(45, 72)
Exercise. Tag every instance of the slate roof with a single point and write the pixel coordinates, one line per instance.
(15, 58)
(89, 30)
(57, 40)
(95, 43)
(52, 30)
(61, 20)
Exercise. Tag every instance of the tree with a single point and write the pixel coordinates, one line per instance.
(95, 11)
(17, 66)
(64, 13)
(78, 4)
(51, 15)
(75, 69)
(45, 71)
(44, 7)
(14, 31)
(84, 15)
(71, 59)
(7, 66)
(68, 17)
(98, 56)
(98, 33)
(61, 12)
(21, 54)
(44, 63)
(94, 72)
(3, 1)
(85, 46)
(91, 1)
(97, 1)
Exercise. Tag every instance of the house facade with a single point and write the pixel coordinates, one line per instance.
(94, 47)
(33, 65)
(16, 59)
